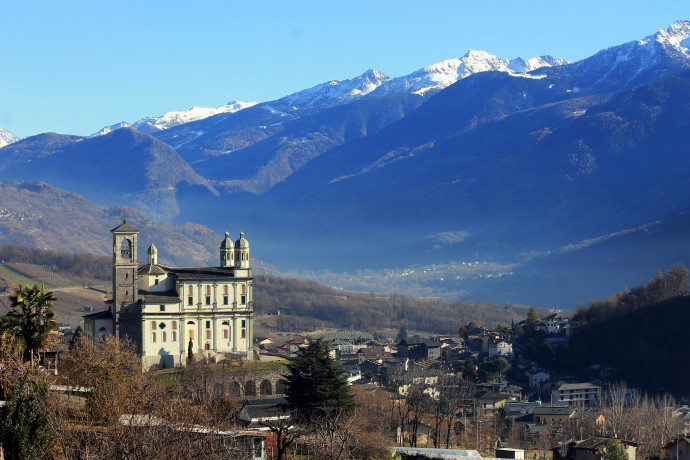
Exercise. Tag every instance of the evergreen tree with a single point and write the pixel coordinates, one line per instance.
(24, 432)
(614, 451)
(314, 385)
(532, 318)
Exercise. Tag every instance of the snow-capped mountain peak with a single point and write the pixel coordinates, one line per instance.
(442, 74)
(170, 119)
(7, 137)
(677, 34)
(336, 91)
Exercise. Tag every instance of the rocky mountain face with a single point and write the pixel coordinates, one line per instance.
(502, 180)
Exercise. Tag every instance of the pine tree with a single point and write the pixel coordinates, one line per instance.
(532, 318)
(314, 386)
(614, 451)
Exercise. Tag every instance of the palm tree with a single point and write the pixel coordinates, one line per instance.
(32, 306)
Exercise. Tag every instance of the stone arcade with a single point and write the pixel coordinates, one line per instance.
(164, 311)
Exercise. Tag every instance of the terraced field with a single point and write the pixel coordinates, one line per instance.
(72, 296)
(47, 277)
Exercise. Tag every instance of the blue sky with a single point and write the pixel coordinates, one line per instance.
(75, 66)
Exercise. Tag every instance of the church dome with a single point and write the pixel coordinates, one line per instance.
(241, 243)
(227, 242)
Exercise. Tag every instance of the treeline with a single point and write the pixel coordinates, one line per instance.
(362, 311)
(85, 267)
(659, 288)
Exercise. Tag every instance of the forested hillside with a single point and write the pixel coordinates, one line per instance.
(336, 308)
(640, 333)
(302, 304)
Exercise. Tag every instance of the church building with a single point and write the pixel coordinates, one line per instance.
(168, 312)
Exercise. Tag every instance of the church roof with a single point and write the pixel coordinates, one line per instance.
(105, 314)
(202, 273)
(124, 227)
(159, 297)
(152, 269)
(227, 242)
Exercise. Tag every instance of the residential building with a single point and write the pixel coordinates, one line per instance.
(552, 415)
(678, 449)
(500, 348)
(576, 394)
(591, 449)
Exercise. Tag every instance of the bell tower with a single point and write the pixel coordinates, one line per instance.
(125, 297)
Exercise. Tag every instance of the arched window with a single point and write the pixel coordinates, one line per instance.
(154, 325)
(126, 249)
(163, 337)
(174, 325)
(174, 336)
(208, 290)
(225, 289)
(153, 337)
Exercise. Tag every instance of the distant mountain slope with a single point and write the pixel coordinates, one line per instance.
(123, 167)
(466, 156)
(38, 215)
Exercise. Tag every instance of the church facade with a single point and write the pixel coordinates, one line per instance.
(169, 312)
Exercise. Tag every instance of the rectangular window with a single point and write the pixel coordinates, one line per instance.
(153, 325)
(225, 300)
(162, 307)
(155, 282)
(244, 333)
(190, 300)
(163, 336)
(243, 299)
(174, 336)
(191, 334)
(208, 300)
(153, 337)
(244, 323)
(225, 333)
(208, 324)
(208, 334)
(174, 325)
